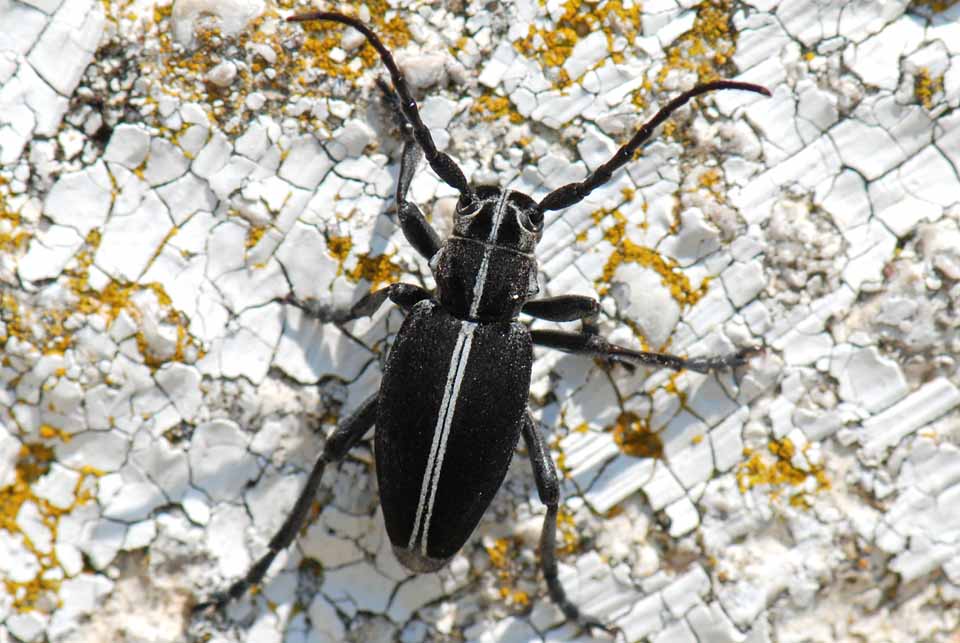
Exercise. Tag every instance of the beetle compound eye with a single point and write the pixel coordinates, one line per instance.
(468, 209)
(536, 217)
(527, 221)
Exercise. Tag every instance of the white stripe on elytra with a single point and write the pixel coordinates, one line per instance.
(451, 391)
(441, 432)
(487, 252)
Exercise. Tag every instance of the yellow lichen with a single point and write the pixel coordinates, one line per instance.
(936, 6)
(508, 566)
(635, 438)
(13, 238)
(378, 270)
(339, 249)
(324, 37)
(254, 234)
(553, 45)
(33, 462)
(493, 107)
(926, 87)
(778, 471)
(709, 45)
(672, 277)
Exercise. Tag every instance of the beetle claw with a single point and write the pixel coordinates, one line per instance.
(613, 630)
(212, 606)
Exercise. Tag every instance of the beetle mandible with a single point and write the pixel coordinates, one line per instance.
(452, 403)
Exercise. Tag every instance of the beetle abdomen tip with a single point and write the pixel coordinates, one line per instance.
(417, 562)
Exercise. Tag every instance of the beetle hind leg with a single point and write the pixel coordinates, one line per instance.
(548, 487)
(341, 441)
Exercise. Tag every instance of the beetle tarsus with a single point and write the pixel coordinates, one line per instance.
(548, 488)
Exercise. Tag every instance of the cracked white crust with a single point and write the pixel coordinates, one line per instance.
(181, 406)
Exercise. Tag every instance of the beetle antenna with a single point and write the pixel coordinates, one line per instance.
(448, 171)
(573, 193)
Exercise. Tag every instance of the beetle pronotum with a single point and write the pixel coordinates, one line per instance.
(452, 403)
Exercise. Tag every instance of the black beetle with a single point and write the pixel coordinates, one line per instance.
(452, 404)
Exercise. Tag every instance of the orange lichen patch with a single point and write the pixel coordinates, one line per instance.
(117, 297)
(515, 597)
(568, 541)
(711, 179)
(614, 511)
(633, 435)
(33, 462)
(184, 72)
(626, 251)
(499, 553)
(926, 87)
(13, 238)
(709, 45)
(936, 6)
(778, 471)
(553, 46)
(339, 249)
(267, 70)
(324, 37)
(639, 97)
(254, 234)
(43, 328)
(562, 467)
(377, 270)
(48, 432)
(492, 107)
(508, 566)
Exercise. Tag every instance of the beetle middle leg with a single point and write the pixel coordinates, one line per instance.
(597, 346)
(548, 488)
(565, 308)
(340, 442)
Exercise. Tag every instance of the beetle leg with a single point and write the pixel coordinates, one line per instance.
(592, 344)
(565, 308)
(419, 233)
(571, 308)
(416, 229)
(573, 193)
(548, 487)
(340, 442)
(403, 295)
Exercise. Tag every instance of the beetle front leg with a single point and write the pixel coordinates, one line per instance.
(340, 442)
(418, 232)
(403, 295)
(597, 346)
(416, 229)
(548, 487)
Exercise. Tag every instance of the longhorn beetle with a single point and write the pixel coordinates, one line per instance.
(452, 404)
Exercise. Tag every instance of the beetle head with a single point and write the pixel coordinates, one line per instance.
(505, 218)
